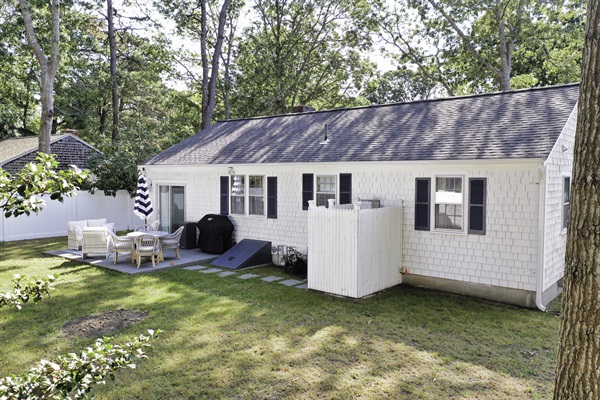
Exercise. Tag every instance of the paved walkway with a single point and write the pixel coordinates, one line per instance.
(190, 260)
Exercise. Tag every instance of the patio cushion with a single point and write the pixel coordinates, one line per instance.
(78, 231)
(94, 223)
(72, 224)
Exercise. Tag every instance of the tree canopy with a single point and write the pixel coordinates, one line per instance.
(155, 73)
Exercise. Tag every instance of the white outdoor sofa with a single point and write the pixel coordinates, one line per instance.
(75, 230)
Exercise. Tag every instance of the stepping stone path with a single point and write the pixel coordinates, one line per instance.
(272, 278)
(248, 276)
(287, 282)
(195, 268)
(210, 270)
(291, 282)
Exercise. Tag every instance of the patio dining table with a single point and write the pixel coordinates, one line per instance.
(158, 234)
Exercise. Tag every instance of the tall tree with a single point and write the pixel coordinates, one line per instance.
(472, 46)
(578, 367)
(48, 67)
(112, 45)
(300, 52)
(194, 19)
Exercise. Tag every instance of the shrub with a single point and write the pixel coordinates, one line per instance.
(72, 376)
(26, 288)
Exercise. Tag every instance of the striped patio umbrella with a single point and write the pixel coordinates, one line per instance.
(143, 205)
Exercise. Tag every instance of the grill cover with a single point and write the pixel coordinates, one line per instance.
(215, 233)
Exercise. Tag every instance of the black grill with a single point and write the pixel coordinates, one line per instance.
(215, 233)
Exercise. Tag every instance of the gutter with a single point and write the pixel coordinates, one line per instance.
(541, 232)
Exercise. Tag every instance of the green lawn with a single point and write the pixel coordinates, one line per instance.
(228, 338)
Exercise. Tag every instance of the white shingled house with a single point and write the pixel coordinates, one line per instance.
(482, 182)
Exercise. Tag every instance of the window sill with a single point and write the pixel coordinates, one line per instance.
(248, 216)
(449, 232)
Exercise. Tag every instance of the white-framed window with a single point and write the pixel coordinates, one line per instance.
(326, 189)
(448, 200)
(256, 195)
(566, 200)
(248, 194)
(238, 194)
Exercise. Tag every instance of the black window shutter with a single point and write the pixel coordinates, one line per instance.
(224, 195)
(345, 188)
(271, 197)
(307, 189)
(477, 200)
(422, 204)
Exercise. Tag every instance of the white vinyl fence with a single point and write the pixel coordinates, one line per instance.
(354, 252)
(52, 220)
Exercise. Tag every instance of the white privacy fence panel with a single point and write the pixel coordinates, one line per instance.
(354, 252)
(52, 220)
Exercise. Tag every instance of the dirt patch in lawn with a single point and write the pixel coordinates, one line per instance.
(98, 325)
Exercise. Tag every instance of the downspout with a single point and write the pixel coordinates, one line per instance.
(539, 287)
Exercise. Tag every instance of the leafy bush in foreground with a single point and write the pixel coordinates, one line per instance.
(25, 288)
(72, 376)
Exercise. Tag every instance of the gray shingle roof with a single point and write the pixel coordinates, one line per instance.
(16, 152)
(511, 125)
(10, 148)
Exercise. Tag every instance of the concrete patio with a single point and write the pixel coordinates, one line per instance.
(188, 258)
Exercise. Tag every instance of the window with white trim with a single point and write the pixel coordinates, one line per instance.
(256, 195)
(448, 200)
(326, 189)
(566, 200)
(248, 195)
(238, 194)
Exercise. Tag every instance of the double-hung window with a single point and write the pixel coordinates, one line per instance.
(455, 207)
(326, 189)
(449, 203)
(256, 195)
(238, 194)
(248, 195)
(566, 200)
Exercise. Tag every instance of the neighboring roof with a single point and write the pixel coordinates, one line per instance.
(510, 125)
(13, 147)
(69, 149)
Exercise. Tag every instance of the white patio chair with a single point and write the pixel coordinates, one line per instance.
(155, 225)
(148, 228)
(95, 241)
(147, 246)
(121, 244)
(170, 242)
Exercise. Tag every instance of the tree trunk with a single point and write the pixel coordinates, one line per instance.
(48, 68)
(214, 72)
(504, 54)
(204, 54)
(226, 72)
(578, 366)
(209, 83)
(113, 70)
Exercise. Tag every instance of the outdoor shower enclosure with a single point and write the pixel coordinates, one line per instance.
(354, 252)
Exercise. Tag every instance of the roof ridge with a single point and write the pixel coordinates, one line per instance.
(438, 99)
(33, 136)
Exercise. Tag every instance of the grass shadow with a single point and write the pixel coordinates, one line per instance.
(226, 337)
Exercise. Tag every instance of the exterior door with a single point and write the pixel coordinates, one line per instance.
(171, 207)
